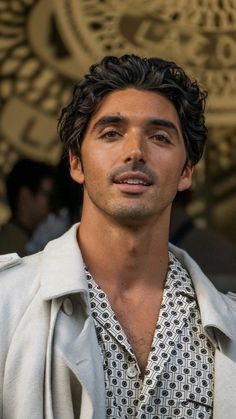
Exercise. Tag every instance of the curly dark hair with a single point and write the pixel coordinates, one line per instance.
(148, 74)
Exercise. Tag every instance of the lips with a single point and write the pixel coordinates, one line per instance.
(133, 181)
(133, 178)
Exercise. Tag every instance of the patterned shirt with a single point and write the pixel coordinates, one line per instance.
(178, 381)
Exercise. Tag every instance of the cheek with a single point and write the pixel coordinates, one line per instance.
(93, 177)
(96, 166)
(170, 174)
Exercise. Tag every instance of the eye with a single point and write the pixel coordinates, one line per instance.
(160, 138)
(110, 135)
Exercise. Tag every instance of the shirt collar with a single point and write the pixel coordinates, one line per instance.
(178, 279)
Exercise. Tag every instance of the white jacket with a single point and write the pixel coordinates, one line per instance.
(50, 362)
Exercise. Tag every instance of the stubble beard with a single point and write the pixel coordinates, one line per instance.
(125, 212)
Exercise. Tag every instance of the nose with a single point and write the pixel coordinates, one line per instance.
(134, 149)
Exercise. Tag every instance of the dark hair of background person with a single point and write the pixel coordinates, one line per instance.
(148, 74)
(26, 173)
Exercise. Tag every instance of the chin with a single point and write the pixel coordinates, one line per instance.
(132, 213)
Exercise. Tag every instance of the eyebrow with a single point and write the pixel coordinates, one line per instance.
(116, 119)
(163, 123)
(108, 119)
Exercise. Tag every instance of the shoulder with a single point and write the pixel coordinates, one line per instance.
(202, 284)
(8, 260)
(218, 310)
(12, 263)
(188, 263)
(18, 279)
(199, 277)
(19, 289)
(231, 297)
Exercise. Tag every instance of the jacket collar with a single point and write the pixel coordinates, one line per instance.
(62, 273)
(218, 311)
(62, 268)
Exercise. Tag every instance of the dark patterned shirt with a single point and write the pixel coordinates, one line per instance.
(178, 381)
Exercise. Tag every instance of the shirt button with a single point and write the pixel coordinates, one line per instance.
(132, 372)
(67, 307)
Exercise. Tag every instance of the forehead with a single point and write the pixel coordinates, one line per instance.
(134, 103)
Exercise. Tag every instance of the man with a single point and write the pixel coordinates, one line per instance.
(107, 322)
(29, 187)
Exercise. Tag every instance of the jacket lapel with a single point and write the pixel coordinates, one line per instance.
(81, 354)
(55, 307)
(72, 336)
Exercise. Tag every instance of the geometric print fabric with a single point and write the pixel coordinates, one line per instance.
(178, 381)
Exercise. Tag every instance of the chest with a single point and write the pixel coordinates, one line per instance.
(138, 323)
(179, 368)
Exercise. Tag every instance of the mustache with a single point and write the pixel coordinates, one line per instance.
(133, 167)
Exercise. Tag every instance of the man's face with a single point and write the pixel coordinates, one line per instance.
(133, 157)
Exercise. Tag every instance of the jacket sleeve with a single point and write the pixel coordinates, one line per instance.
(17, 289)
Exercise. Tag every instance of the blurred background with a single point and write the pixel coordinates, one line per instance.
(46, 47)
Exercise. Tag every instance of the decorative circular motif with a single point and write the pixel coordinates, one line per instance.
(32, 92)
(183, 31)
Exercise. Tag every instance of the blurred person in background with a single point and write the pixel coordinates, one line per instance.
(29, 188)
(66, 204)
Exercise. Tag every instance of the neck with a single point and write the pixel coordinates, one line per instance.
(122, 257)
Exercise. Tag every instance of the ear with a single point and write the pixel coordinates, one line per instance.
(76, 169)
(186, 177)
